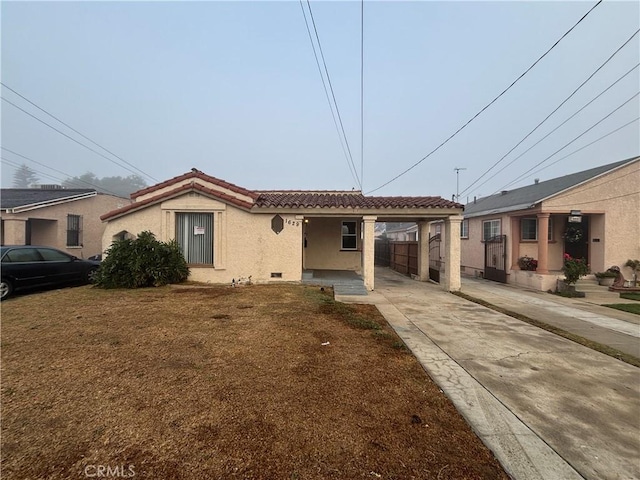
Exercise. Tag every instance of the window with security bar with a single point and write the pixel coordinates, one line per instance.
(194, 234)
(74, 230)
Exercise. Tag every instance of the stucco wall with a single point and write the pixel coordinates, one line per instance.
(617, 195)
(244, 243)
(610, 202)
(324, 242)
(53, 231)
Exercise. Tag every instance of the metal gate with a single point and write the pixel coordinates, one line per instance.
(495, 259)
(435, 261)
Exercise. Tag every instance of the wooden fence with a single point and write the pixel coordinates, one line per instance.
(399, 256)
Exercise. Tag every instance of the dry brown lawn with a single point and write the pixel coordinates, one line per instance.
(220, 382)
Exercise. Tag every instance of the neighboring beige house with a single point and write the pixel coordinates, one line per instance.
(594, 214)
(64, 218)
(228, 232)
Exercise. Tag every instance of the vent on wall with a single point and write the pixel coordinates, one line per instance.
(276, 274)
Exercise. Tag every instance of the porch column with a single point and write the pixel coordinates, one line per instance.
(543, 243)
(368, 253)
(452, 253)
(423, 251)
(15, 231)
(515, 242)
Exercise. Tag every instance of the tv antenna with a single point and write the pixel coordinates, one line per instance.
(457, 169)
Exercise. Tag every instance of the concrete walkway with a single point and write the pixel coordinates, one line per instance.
(547, 407)
(581, 316)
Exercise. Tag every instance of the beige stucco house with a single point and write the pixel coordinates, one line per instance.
(67, 219)
(228, 232)
(593, 214)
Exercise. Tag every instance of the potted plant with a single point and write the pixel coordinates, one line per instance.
(527, 263)
(635, 267)
(606, 278)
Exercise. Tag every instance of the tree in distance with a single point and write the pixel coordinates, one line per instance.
(24, 177)
(121, 186)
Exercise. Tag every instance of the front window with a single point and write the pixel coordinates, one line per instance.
(490, 229)
(194, 234)
(529, 229)
(74, 230)
(349, 236)
(464, 229)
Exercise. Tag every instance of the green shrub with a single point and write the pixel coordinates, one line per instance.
(143, 262)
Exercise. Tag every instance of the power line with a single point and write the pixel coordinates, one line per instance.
(70, 138)
(600, 200)
(554, 111)
(47, 175)
(69, 177)
(326, 70)
(488, 105)
(76, 131)
(362, 94)
(326, 92)
(547, 135)
(569, 143)
(574, 152)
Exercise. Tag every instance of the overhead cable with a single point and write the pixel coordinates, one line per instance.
(554, 111)
(488, 105)
(76, 131)
(552, 131)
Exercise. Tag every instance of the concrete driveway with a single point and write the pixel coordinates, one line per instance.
(547, 407)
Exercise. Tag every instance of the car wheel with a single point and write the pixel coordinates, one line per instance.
(6, 289)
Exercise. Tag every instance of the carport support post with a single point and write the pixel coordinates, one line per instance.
(368, 252)
(423, 251)
(452, 253)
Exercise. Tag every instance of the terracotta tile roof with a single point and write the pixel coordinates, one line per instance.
(183, 188)
(276, 199)
(346, 200)
(195, 173)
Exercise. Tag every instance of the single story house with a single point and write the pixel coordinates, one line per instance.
(63, 218)
(402, 232)
(228, 232)
(593, 214)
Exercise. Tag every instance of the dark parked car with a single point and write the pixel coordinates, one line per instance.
(31, 266)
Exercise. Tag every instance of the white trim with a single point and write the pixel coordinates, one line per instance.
(50, 203)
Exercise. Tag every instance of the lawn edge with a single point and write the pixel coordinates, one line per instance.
(598, 347)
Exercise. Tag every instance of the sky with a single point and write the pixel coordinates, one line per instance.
(233, 89)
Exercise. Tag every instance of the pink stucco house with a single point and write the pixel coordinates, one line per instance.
(593, 214)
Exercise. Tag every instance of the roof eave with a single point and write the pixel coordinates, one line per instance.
(49, 203)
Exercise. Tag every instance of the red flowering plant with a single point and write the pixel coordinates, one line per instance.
(527, 263)
(574, 268)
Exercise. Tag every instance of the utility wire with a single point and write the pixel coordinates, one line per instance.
(326, 70)
(70, 138)
(326, 92)
(554, 111)
(569, 143)
(69, 177)
(488, 105)
(572, 153)
(362, 94)
(76, 131)
(547, 135)
(6, 161)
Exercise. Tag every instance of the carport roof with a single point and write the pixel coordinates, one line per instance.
(302, 199)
